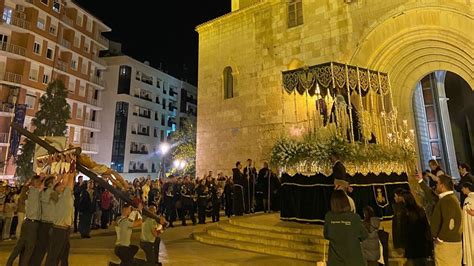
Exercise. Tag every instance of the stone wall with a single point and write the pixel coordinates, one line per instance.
(407, 39)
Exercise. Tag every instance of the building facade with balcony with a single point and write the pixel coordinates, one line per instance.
(142, 110)
(187, 104)
(43, 40)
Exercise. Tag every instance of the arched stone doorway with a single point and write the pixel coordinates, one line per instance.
(443, 105)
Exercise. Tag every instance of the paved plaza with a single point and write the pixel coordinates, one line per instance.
(177, 248)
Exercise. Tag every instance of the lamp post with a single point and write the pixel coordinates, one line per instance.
(164, 148)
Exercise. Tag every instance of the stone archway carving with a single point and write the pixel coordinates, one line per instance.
(408, 44)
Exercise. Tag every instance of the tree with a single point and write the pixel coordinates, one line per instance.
(50, 120)
(185, 147)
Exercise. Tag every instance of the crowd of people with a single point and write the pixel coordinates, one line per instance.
(49, 207)
(439, 231)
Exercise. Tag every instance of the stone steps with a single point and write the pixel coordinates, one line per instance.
(290, 240)
(255, 247)
(300, 229)
(240, 228)
(267, 241)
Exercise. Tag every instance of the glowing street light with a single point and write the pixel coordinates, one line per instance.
(164, 148)
(179, 164)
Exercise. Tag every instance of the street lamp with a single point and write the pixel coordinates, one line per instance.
(164, 148)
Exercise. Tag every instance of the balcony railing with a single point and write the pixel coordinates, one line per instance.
(3, 137)
(95, 102)
(65, 43)
(88, 147)
(138, 152)
(92, 124)
(97, 80)
(138, 170)
(4, 108)
(61, 65)
(67, 20)
(101, 39)
(15, 21)
(99, 60)
(11, 77)
(12, 48)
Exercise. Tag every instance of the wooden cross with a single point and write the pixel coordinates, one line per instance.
(116, 192)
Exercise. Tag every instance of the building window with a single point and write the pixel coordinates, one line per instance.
(77, 42)
(79, 20)
(30, 101)
(37, 48)
(125, 79)
(120, 134)
(79, 112)
(82, 91)
(77, 135)
(158, 83)
(45, 79)
(162, 119)
(52, 29)
(33, 74)
(74, 64)
(86, 47)
(84, 68)
(40, 24)
(44, 2)
(89, 25)
(162, 135)
(228, 83)
(7, 15)
(295, 13)
(57, 6)
(49, 53)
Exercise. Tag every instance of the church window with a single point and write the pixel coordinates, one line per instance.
(228, 83)
(295, 13)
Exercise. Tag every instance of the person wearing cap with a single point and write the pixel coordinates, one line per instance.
(46, 224)
(149, 238)
(29, 231)
(58, 249)
(125, 223)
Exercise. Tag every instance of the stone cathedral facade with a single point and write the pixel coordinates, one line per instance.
(242, 106)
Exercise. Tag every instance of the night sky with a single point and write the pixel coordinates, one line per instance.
(158, 31)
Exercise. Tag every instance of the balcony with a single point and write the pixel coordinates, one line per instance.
(92, 124)
(15, 21)
(144, 133)
(99, 60)
(61, 65)
(11, 77)
(138, 170)
(6, 110)
(67, 20)
(90, 148)
(101, 39)
(145, 152)
(95, 102)
(65, 43)
(97, 80)
(4, 138)
(12, 48)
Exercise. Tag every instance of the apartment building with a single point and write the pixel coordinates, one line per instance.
(42, 40)
(142, 110)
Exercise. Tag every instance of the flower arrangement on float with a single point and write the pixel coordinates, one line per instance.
(312, 154)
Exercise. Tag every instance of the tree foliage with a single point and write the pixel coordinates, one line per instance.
(184, 147)
(50, 120)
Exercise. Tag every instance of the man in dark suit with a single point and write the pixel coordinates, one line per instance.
(466, 177)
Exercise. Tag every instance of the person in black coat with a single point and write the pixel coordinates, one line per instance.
(250, 174)
(416, 233)
(86, 208)
(77, 196)
(202, 194)
(466, 177)
(239, 189)
(263, 185)
(228, 197)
